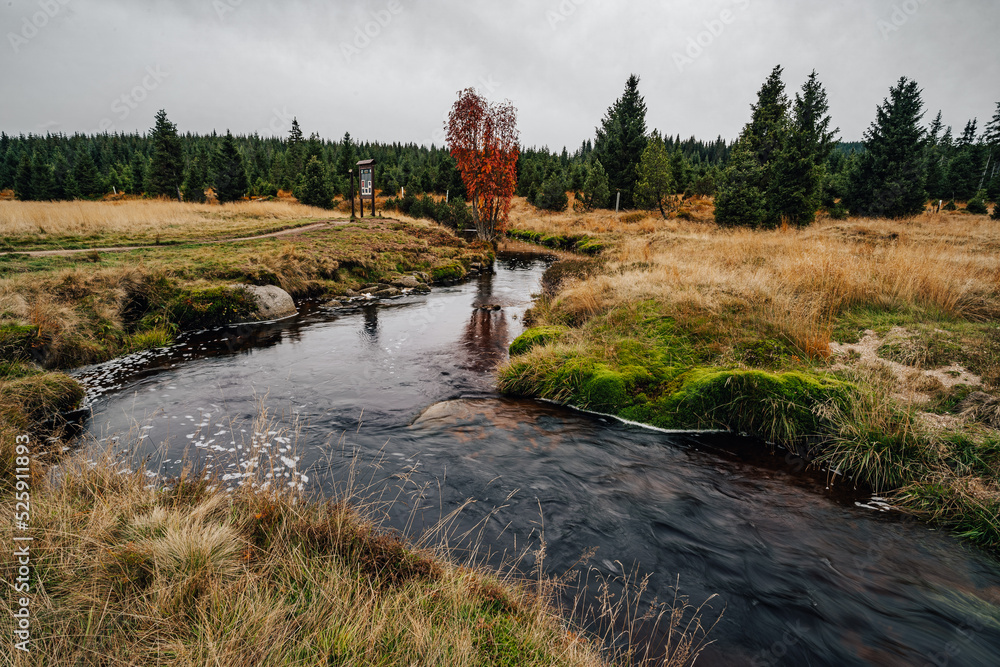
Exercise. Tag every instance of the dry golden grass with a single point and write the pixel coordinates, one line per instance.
(43, 225)
(132, 573)
(792, 281)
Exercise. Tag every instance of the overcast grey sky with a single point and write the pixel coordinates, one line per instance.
(389, 70)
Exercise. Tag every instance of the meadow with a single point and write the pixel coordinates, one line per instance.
(855, 343)
(186, 571)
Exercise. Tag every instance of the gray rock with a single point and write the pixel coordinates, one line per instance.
(406, 281)
(273, 303)
(385, 293)
(351, 293)
(421, 289)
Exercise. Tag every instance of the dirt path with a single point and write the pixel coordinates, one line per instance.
(283, 232)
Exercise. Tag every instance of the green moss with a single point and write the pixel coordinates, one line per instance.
(212, 306)
(449, 271)
(535, 336)
(604, 390)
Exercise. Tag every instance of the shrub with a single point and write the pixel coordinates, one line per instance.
(950, 206)
(838, 211)
(552, 195)
(977, 205)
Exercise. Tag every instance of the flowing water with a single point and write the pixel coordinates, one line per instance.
(806, 574)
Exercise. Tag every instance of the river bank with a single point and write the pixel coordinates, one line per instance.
(184, 571)
(868, 347)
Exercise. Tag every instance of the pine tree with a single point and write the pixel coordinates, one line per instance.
(966, 167)
(765, 136)
(65, 184)
(166, 170)
(739, 199)
(595, 187)
(796, 186)
(316, 190)
(89, 183)
(228, 171)
(24, 179)
(680, 169)
(656, 182)
(347, 163)
(891, 175)
(758, 194)
(44, 182)
(552, 195)
(621, 140)
(294, 156)
(196, 177)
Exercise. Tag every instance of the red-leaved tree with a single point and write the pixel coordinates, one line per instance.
(483, 140)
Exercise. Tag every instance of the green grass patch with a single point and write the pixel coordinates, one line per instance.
(535, 336)
(581, 243)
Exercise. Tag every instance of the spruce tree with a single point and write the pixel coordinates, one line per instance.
(347, 163)
(316, 190)
(229, 174)
(89, 183)
(758, 174)
(621, 140)
(24, 179)
(166, 169)
(294, 156)
(680, 170)
(552, 195)
(656, 183)
(891, 175)
(44, 183)
(765, 137)
(64, 184)
(595, 187)
(196, 177)
(796, 185)
(739, 199)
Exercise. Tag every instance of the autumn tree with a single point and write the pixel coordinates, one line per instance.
(483, 139)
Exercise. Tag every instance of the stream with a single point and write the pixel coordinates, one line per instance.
(395, 401)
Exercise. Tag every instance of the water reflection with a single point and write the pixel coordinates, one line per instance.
(779, 548)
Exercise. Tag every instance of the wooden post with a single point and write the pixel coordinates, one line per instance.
(352, 193)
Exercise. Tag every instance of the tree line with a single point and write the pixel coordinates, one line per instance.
(165, 162)
(785, 166)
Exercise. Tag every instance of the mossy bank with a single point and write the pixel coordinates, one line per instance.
(885, 372)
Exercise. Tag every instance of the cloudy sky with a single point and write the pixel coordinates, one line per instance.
(389, 70)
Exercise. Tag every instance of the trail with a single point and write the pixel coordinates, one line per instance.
(284, 232)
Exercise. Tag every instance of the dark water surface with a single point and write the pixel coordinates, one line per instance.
(400, 395)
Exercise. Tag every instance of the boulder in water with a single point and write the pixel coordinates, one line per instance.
(273, 303)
